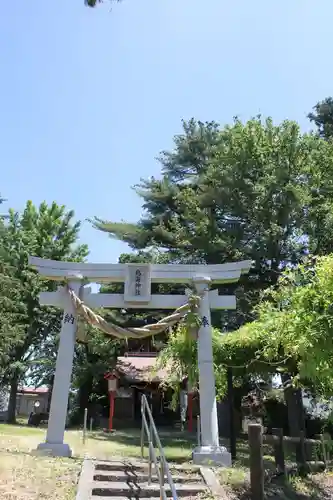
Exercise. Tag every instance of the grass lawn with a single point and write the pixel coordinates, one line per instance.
(98, 444)
(315, 487)
(237, 479)
(24, 476)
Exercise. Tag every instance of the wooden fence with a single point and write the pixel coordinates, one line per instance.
(304, 448)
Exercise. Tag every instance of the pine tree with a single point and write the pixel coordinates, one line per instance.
(246, 191)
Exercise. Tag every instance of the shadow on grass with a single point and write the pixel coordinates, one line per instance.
(134, 440)
(178, 449)
(35, 454)
(243, 458)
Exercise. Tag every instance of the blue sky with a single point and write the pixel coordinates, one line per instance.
(88, 97)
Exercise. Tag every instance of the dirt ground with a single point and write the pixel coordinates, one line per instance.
(25, 477)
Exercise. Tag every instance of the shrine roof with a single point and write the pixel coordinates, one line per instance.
(140, 368)
(33, 390)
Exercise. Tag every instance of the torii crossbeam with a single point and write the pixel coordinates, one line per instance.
(137, 294)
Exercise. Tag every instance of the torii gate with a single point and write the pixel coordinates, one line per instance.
(137, 294)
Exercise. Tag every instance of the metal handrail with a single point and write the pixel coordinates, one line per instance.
(161, 465)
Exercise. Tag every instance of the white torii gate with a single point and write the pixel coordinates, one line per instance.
(137, 294)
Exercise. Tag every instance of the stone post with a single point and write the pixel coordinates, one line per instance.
(54, 443)
(210, 451)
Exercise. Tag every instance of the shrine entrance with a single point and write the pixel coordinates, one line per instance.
(77, 300)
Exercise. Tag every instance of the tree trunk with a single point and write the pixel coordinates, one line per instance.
(294, 401)
(49, 396)
(11, 417)
(84, 394)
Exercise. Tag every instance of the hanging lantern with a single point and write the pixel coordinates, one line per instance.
(112, 381)
(112, 384)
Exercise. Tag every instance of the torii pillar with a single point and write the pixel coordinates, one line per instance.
(54, 442)
(209, 451)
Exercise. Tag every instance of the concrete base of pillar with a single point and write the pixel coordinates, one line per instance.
(211, 456)
(54, 449)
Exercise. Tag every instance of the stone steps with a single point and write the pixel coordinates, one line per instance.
(195, 497)
(141, 477)
(143, 490)
(141, 466)
(102, 480)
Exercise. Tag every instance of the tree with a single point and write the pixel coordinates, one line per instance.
(256, 191)
(94, 3)
(49, 232)
(92, 360)
(292, 335)
(322, 117)
(251, 190)
(10, 310)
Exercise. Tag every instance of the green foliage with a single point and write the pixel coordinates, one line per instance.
(94, 3)
(92, 361)
(95, 358)
(11, 308)
(322, 117)
(293, 334)
(179, 358)
(49, 232)
(301, 308)
(255, 190)
(220, 187)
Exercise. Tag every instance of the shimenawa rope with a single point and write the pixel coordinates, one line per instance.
(135, 332)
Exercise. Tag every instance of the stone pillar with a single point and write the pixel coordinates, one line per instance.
(54, 443)
(209, 451)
